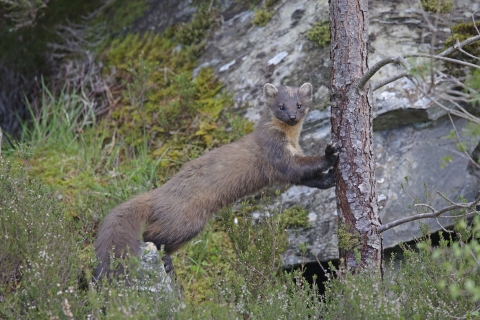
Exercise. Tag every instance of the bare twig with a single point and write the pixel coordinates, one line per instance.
(463, 114)
(468, 54)
(474, 22)
(433, 214)
(441, 226)
(320, 264)
(439, 57)
(378, 84)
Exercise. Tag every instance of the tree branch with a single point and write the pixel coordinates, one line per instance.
(378, 84)
(371, 71)
(434, 214)
(441, 56)
(457, 46)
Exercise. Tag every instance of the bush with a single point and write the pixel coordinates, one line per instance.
(41, 264)
(431, 283)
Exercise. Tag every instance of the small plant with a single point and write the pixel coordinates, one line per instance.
(320, 33)
(434, 6)
(262, 17)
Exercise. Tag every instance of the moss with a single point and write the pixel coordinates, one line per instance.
(462, 32)
(445, 6)
(320, 33)
(294, 217)
(347, 240)
(262, 17)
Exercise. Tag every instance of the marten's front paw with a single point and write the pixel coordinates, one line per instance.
(331, 152)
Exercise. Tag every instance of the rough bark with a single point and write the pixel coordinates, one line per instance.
(352, 130)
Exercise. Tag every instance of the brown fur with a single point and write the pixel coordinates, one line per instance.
(177, 211)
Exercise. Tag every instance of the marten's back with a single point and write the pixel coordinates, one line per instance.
(182, 206)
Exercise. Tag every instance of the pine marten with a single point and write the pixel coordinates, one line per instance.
(177, 211)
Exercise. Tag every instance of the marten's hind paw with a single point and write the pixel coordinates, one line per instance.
(167, 263)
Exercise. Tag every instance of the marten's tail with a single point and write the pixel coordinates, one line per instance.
(120, 234)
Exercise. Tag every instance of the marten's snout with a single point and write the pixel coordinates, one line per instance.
(291, 119)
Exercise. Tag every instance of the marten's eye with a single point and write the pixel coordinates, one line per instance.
(281, 107)
(299, 106)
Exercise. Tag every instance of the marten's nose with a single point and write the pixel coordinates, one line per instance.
(293, 117)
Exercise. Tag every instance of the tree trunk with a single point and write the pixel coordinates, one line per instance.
(352, 131)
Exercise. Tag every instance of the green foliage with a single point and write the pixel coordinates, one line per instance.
(46, 271)
(261, 17)
(294, 217)
(257, 247)
(320, 33)
(434, 6)
(445, 161)
(202, 261)
(432, 283)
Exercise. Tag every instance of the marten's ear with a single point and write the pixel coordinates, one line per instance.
(306, 90)
(269, 91)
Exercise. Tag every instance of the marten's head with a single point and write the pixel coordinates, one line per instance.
(288, 104)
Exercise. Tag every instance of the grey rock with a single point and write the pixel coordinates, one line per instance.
(417, 154)
(153, 277)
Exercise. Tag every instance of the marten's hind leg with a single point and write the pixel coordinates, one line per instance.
(167, 260)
